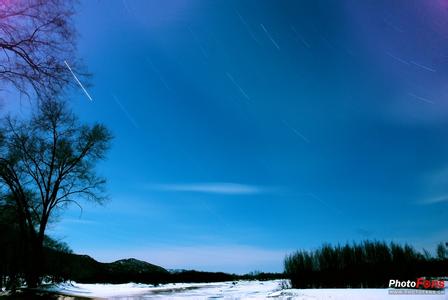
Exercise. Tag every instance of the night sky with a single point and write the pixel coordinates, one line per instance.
(247, 129)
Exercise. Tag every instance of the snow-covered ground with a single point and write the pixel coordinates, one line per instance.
(274, 289)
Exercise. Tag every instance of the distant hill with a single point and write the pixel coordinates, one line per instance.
(133, 265)
(63, 266)
(83, 268)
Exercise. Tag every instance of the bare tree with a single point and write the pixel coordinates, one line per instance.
(36, 37)
(442, 251)
(47, 163)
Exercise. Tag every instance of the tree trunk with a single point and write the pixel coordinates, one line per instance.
(36, 257)
(34, 263)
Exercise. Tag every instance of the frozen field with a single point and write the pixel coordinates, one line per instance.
(274, 289)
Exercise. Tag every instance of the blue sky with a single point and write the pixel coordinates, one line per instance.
(247, 129)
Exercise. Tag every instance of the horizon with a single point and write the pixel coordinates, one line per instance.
(247, 131)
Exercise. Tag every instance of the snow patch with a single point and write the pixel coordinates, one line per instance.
(273, 289)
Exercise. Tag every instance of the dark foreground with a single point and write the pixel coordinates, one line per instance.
(32, 295)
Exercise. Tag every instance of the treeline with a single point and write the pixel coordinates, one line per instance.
(84, 269)
(370, 264)
(13, 252)
(60, 264)
(201, 276)
(64, 266)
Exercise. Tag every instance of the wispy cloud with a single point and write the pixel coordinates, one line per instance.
(434, 200)
(435, 184)
(78, 221)
(225, 188)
